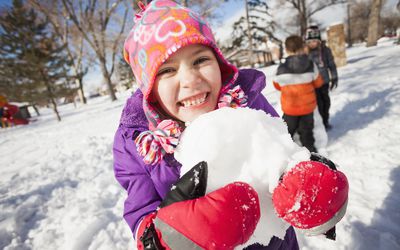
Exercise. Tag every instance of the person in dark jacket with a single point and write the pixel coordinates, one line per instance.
(297, 79)
(323, 58)
(182, 74)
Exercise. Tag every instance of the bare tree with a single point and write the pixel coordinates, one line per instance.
(358, 20)
(307, 8)
(373, 27)
(360, 15)
(99, 23)
(348, 36)
(205, 8)
(69, 36)
(389, 23)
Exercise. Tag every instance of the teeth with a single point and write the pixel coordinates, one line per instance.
(194, 100)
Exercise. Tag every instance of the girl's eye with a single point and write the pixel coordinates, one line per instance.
(201, 60)
(165, 71)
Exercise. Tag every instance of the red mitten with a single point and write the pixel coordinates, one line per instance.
(222, 219)
(312, 196)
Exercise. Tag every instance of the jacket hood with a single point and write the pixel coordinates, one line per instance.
(298, 64)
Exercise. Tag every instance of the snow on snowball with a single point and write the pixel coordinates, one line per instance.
(243, 145)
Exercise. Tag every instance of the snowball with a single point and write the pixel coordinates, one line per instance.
(243, 145)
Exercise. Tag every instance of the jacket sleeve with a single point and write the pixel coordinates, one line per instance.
(318, 81)
(134, 176)
(261, 103)
(331, 63)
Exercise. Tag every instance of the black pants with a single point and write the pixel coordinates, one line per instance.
(304, 125)
(324, 103)
(288, 243)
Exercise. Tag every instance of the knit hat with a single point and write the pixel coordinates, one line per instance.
(160, 29)
(313, 33)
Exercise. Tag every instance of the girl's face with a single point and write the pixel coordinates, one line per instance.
(188, 83)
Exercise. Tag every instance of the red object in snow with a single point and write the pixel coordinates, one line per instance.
(312, 197)
(8, 116)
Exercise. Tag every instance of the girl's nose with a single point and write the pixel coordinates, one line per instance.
(189, 78)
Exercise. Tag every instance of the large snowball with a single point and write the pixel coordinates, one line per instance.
(243, 145)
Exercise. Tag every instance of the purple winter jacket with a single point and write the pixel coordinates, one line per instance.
(147, 185)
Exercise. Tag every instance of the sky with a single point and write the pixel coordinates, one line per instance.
(58, 191)
(5, 2)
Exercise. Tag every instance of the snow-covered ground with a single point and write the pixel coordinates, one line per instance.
(57, 189)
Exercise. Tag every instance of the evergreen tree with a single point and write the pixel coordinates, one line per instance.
(34, 67)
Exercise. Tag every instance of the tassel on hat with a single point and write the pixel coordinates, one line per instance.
(153, 145)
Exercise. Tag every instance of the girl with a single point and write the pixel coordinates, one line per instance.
(182, 74)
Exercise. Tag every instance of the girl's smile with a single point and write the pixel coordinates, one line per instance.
(194, 101)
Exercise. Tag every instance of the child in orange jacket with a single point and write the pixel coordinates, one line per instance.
(297, 78)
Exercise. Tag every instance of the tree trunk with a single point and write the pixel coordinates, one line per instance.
(373, 27)
(107, 78)
(303, 17)
(398, 8)
(349, 39)
(249, 36)
(36, 109)
(303, 26)
(79, 82)
(81, 93)
(53, 102)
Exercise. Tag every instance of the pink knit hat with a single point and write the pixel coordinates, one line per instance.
(160, 29)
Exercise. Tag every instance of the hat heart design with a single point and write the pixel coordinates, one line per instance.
(170, 27)
(143, 33)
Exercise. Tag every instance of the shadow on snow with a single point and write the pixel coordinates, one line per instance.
(354, 60)
(384, 230)
(358, 114)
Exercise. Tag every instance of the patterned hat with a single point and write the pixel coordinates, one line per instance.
(160, 29)
(313, 33)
